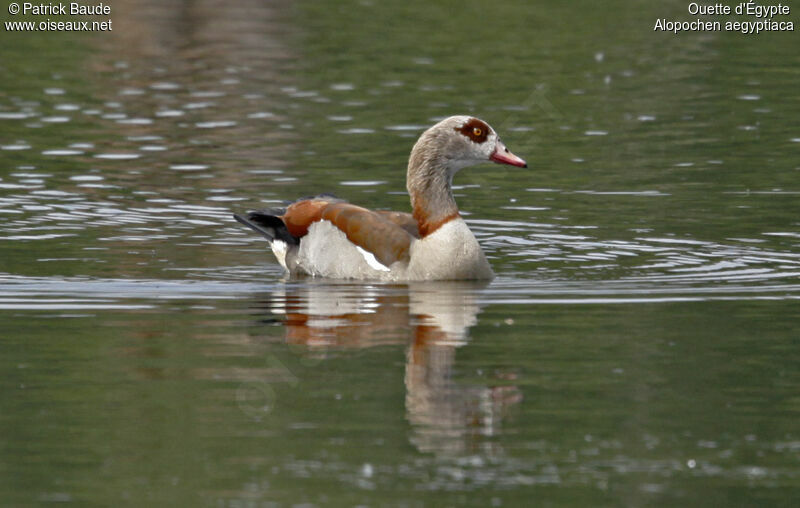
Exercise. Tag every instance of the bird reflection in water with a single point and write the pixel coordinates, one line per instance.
(433, 319)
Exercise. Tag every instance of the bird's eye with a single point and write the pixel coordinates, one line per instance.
(477, 132)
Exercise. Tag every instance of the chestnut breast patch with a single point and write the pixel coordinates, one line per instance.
(475, 130)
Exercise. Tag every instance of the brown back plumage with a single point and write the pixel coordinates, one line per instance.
(387, 235)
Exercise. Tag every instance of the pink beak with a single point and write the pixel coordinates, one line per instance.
(503, 155)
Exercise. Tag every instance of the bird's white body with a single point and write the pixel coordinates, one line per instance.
(449, 253)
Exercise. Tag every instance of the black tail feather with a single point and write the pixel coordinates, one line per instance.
(269, 223)
(271, 226)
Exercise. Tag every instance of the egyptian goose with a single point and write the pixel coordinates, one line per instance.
(327, 237)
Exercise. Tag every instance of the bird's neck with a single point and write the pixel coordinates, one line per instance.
(429, 186)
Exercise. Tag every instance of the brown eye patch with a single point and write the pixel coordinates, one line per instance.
(475, 130)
